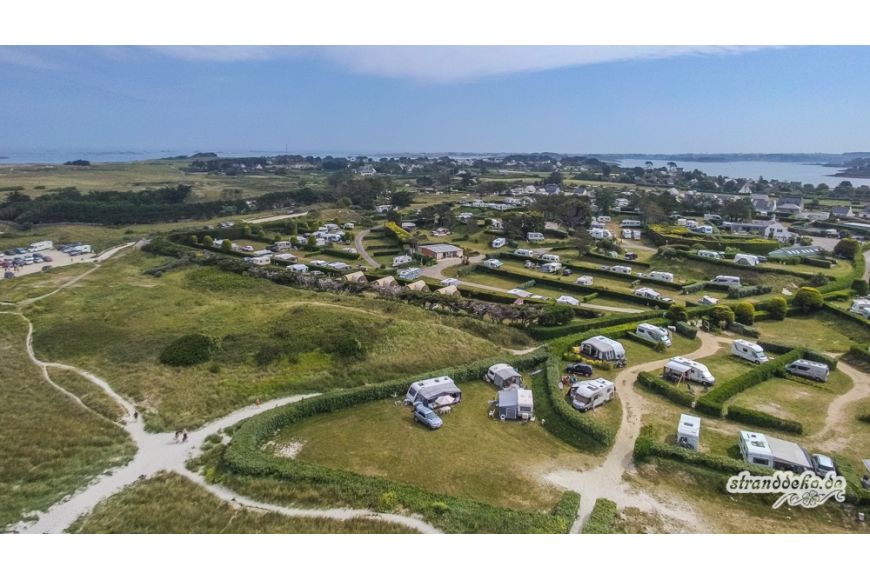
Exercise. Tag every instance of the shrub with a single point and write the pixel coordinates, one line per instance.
(744, 313)
(777, 308)
(808, 299)
(722, 313)
(847, 248)
(556, 315)
(188, 350)
(744, 291)
(666, 389)
(761, 419)
(677, 313)
(860, 286)
(645, 446)
(602, 517)
(687, 330)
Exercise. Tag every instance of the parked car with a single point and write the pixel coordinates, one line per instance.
(450, 281)
(823, 465)
(426, 416)
(582, 369)
(630, 256)
(809, 370)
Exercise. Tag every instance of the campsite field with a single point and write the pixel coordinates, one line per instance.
(274, 340)
(471, 456)
(169, 503)
(49, 445)
(821, 331)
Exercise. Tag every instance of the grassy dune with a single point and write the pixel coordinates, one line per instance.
(169, 503)
(49, 445)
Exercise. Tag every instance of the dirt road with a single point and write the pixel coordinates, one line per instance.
(361, 249)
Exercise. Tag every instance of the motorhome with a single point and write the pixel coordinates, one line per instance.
(708, 301)
(761, 449)
(569, 300)
(492, 264)
(604, 219)
(661, 276)
(681, 221)
(706, 230)
(584, 281)
(726, 280)
(689, 432)
(408, 274)
(40, 246)
(691, 224)
(551, 267)
(586, 395)
(861, 306)
(681, 368)
(809, 370)
(711, 254)
(653, 334)
(748, 351)
(599, 234)
(499, 243)
(524, 253)
(402, 260)
(651, 294)
(621, 269)
(535, 237)
(627, 234)
(746, 259)
(630, 224)
(551, 258)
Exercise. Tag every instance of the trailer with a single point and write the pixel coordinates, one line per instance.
(689, 431)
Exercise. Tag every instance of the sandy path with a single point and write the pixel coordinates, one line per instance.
(361, 249)
(607, 481)
(829, 438)
(275, 218)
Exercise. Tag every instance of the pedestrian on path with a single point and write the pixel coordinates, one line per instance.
(135, 415)
(184, 436)
(177, 435)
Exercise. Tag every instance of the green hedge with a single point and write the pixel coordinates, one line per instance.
(602, 518)
(687, 329)
(666, 389)
(646, 447)
(712, 403)
(592, 270)
(597, 322)
(859, 353)
(744, 291)
(736, 266)
(244, 456)
(751, 245)
(762, 419)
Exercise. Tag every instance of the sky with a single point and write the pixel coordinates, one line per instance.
(581, 99)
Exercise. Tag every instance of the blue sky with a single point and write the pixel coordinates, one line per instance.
(396, 99)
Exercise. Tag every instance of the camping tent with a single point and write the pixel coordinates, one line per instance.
(515, 403)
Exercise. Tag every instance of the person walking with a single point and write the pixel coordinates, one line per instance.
(184, 436)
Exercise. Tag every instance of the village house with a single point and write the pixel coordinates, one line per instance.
(440, 251)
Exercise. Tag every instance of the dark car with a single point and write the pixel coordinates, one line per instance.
(630, 256)
(581, 369)
(567, 271)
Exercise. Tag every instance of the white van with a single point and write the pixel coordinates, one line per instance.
(681, 368)
(401, 260)
(492, 264)
(535, 237)
(746, 259)
(587, 395)
(653, 334)
(661, 276)
(711, 254)
(627, 234)
(630, 224)
(621, 269)
(681, 221)
(551, 267)
(748, 351)
(524, 253)
(551, 258)
(861, 306)
(727, 280)
(691, 224)
(599, 234)
(809, 369)
(703, 230)
(499, 243)
(584, 281)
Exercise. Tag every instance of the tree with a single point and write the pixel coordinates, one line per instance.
(556, 315)
(652, 211)
(808, 299)
(737, 209)
(722, 314)
(193, 239)
(402, 198)
(744, 312)
(605, 199)
(777, 307)
(847, 248)
(311, 242)
(207, 241)
(555, 178)
(677, 313)
(247, 232)
(860, 287)
(227, 245)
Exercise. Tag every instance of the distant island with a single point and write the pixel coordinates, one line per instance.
(858, 167)
(827, 159)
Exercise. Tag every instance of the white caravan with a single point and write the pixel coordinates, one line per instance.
(499, 243)
(653, 334)
(746, 259)
(661, 276)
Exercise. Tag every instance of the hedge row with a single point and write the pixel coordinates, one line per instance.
(736, 266)
(744, 291)
(780, 348)
(762, 419)
(859, 353)
(568, 415)
(687, 329)
(666, 389)
(597, 322)
(712, 403)
(244, 456)
(392, 252)
(845, 282)
(645, 446)
(602, 518)
(753, 245)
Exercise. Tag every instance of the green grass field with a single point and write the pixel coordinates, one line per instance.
(275, 340)
(822, 331)
(470, 456)
(39, 283)
(49, 445)
(90, 394)
(169, 503)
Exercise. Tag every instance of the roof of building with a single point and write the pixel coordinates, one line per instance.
(441, 248)
(795, 251)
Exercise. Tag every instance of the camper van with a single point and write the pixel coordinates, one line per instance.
(551, 258)
(681, 221)
(551, 267)
(651, 294)
(706, 230)
(621, 269)
(689, 432)
(760, 449)
(587, 395)
(653, 334)
(598, 234)
(748, 351)
(535, 237)
(499, 243)
(627, 234)
(809, 370)
(584, 281)
(711, 254)
(727, 280)
(603, 348)
(746, 259)
(524, 253)
(661, 276)
(401, 260)
(681, 368)
(630, 224)
(861, 306)
(492, 264)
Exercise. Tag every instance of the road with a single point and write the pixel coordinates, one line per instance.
(361, 249)
(275, 218)
(606, 481)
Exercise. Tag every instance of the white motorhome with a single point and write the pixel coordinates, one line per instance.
(681, 368)
(809, 370)
(621, 269)
(569, 300)
(605, 219)
(402, 260)
(691, 224)
(712, 254)
(627, 233)
(708, 301)
(551, 258)
(535, 237)
(586, 395)
(746, 259)
(689, 432)
(40, 246)
(760, 449)
(861, 306)
(681, 221)
(661, 276)
(651, 294)
(599, 234)
(551, 267)
(748, 351)
(630, 223)
(706, 230)
(584, 281)
(492, 264)
(499, 243)
(653, 334)
(727, 280)
(524, 253)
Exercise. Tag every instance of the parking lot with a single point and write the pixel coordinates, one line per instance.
(57, 259)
